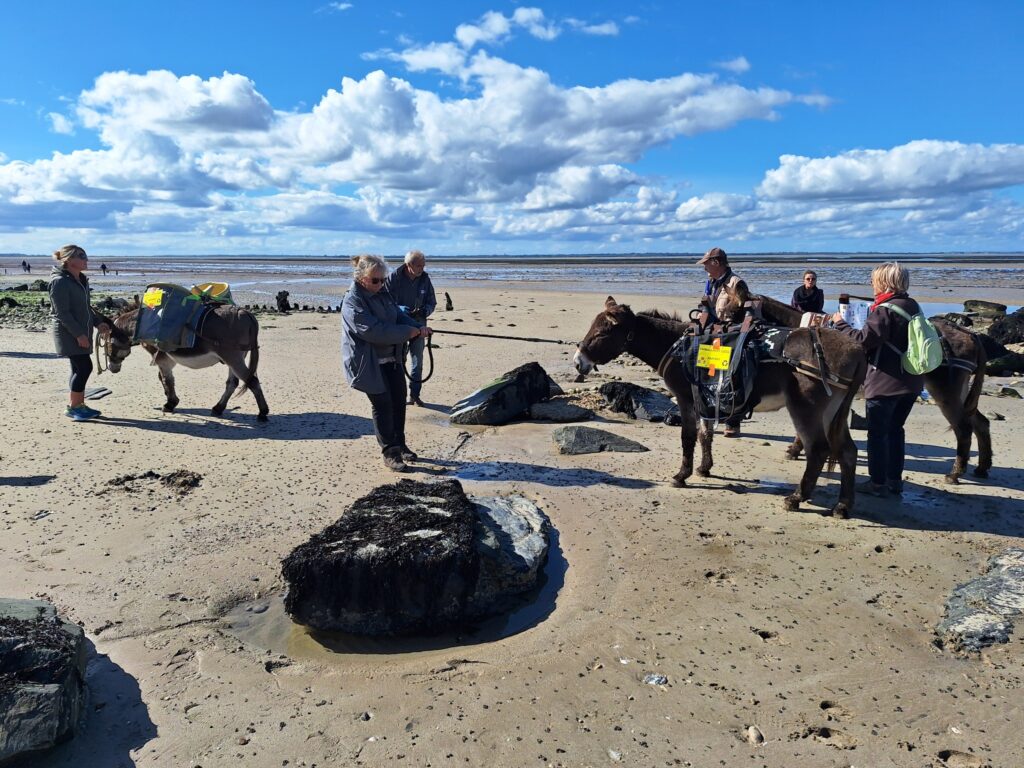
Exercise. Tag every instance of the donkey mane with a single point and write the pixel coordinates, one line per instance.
(658, 314)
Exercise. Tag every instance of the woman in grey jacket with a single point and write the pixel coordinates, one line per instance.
(373, 330)
(73, 321)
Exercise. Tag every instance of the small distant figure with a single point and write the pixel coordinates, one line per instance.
(24, 266)
(410, 287)
(103, 268)
(282, 301)
(448, 306)
(809, 297)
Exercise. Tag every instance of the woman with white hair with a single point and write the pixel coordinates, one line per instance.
(373, 330)
(890, 392)
(73, 321)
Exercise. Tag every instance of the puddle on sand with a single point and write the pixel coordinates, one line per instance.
(265, 624)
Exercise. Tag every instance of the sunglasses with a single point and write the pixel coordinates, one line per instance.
(375, 280)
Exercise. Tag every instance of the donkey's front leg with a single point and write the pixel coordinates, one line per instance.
(229, 389)
(164, 367)
(707, 437)
(688, 436)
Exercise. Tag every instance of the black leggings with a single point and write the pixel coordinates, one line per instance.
(389, 407)
(81, 369)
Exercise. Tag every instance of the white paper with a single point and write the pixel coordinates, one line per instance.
(855, 313)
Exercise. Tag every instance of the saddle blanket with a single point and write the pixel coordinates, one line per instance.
(169, 316)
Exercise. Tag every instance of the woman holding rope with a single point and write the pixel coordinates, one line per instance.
(373, 330)
(73, 321)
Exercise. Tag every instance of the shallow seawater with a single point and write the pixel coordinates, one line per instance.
(265, 624)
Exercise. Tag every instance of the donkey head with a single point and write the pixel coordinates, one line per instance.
(732, 312)
(121, 338)
(609, 334)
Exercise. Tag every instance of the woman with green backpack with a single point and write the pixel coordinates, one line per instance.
(899, 350)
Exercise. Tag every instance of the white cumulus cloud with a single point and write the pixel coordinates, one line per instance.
(60, 124)
(739, 65)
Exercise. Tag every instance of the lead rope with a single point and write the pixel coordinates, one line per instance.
(430, 356)
(105, 345)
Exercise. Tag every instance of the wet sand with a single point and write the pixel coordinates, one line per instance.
(816, 631)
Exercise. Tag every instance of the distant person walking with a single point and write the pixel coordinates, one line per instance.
(889, 391)
(373, 330)
(73, 321)
(103, 268)
(412, 290)
(809, 297)
(24, 266)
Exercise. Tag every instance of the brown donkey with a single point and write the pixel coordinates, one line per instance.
(819, 416)
(955, 386)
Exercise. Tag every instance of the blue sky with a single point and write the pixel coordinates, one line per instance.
(488, 127)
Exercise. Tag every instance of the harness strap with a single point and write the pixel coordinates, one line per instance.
(819, 353)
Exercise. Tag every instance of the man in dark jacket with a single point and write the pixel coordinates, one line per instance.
(410, 287)
(890, 392)
(808, 297)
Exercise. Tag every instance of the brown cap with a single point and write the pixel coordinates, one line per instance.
(714, 253)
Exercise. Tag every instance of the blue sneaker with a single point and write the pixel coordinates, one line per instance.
(93, 413)
(81, 413)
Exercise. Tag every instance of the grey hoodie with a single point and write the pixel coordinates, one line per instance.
(70, 312)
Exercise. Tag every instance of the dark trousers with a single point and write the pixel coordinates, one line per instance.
(389, 407)
(81, 369)
(886, 438)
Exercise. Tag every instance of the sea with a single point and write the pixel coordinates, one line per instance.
(939, 281)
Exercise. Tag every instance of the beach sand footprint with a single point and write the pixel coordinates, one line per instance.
(827, 735)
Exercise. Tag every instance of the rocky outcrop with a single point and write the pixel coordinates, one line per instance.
(635, 401)
(985, 308)
(282, 301)
(559, 410)
(42, 678)
(1008, 329)
(981, 612)
(1007, 365)
(416, 558)
(507, 398)
(576, 440)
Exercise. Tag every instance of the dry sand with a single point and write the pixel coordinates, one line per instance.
(814, 630)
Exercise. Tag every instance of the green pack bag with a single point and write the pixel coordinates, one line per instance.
(924, 346)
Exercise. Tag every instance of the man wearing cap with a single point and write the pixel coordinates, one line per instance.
(410, 287)
(720, 277)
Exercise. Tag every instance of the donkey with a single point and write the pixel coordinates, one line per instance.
(228, 332)
(820, 416)
(955, 385)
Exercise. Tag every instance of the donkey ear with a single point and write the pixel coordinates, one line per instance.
(610, 302)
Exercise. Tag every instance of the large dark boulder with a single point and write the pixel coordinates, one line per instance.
(993, 348)
(982, 612)
(39, 285)
(1008, 329)
(635, 401)
(507, 398)
(415, 558)
(1007, 365)
(42, 678)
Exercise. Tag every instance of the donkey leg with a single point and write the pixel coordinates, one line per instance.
(795, 448)
(229, 390)
(981, 429)
(688, 436)
(261, 401)
(164, 367)
(706, 436)
(236, 363)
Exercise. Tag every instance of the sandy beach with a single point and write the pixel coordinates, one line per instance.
(819, 632)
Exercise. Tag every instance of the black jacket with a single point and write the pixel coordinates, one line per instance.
(808, 301)
(884, 337)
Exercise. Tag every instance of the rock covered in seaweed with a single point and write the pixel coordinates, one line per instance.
(982, 612)
(42, 678)
(415, 558)
(506, 398)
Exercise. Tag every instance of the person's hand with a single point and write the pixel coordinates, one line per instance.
(414, 333)
(425, 331)
(83, 341)
(837, 317)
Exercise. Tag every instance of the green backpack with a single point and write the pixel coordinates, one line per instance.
(924, 346)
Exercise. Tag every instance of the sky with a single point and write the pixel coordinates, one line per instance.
(496, 128)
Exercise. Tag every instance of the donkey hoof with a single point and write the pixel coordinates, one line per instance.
(701, 472)
(841, 512)
(216, 411)
(262, 417)
(678, 482)
(953, 478)
(979, 472)
(792, 502)
(792, 455)
(169, 407)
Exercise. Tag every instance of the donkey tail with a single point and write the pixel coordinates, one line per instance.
(254, 361)
(840, 420)
(974, 393)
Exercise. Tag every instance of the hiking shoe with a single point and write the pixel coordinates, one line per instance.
(873, 489)
(81, 413)
(408, 454)
(416, 401)
(393, 460)
(93, 413)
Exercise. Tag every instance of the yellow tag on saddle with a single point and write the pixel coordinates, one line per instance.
(713, 356)
(153, 297)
